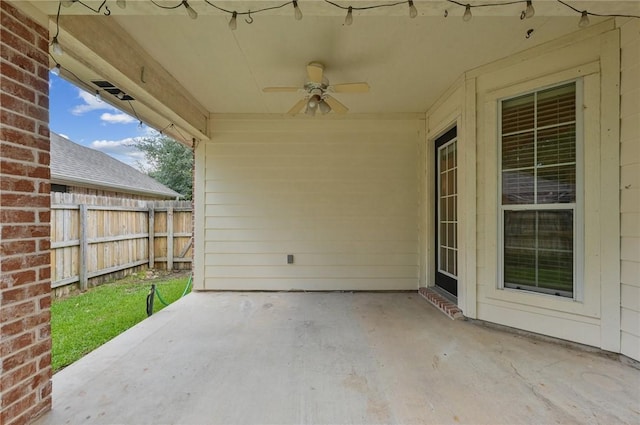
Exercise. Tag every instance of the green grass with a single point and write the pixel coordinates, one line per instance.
(83, 322)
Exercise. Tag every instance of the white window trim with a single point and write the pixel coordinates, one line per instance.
(578, 206)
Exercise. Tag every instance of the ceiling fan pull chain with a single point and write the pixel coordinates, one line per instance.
(250, 19)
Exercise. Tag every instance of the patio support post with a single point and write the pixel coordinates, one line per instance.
(25, 272)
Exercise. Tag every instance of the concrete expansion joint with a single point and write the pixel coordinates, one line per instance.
(441, 303)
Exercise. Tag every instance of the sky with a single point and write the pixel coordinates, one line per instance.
(82, 118)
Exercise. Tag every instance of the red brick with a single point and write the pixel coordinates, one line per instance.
(13, 295)
(17, 74)
(16, 311)
(18, 121)
(13, 184)
(45, 302)
(21, 277)
(24, 200)
(15, 26)
(25, 261)
(43, 72)
(24, 108)
(13, 328)
(44, 158)
(17, 247)
(16, 58)
(29, 49)
(18, 153)
(45, 361)
(16, 216)
(44, 217)
(44, 273)
(15, 344)
(26, 231)
(25, 139)
(18, 90)
(16, 409)
(16, 359)
(38, 289)
(18, 169)
(11, 396)
(43, 130)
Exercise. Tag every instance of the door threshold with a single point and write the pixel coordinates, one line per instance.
(441, 302)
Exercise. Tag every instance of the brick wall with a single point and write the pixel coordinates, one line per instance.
(25, 342)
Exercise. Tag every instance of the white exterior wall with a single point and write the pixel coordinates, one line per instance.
(630, 187)
(341, 195)
(592, 55)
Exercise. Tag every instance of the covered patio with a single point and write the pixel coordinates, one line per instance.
(336, 357)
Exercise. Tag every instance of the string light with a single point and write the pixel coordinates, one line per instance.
(584, 19)
(349, 19)
(56, 70)
(190, 10)
(98, 97)
(530, 11)
(56, 47)
(122, 4)
(68, 3)
(413, 12)
(467, 13)
(296, 10)
(233, 23)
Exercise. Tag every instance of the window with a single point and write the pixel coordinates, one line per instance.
(538, 168)
(59, 188)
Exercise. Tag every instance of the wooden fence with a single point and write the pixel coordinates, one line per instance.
(96, 237)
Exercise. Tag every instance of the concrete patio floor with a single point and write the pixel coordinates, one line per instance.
(335, 358)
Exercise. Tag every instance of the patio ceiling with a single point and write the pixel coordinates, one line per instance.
(407, 62)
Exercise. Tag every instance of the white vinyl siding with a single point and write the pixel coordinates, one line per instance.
(340, 195)
(630, 188)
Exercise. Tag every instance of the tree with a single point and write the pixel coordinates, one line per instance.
(169, 162)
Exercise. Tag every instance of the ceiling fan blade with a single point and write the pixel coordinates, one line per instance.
(350, 88)
(315, 71)
(298, 106)
(335, 105)
(280, 89)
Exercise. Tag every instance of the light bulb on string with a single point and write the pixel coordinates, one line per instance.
(56, 69)
(190, 10)
(413, 12)
(467, 13)
(530, 11)
(584, 19)
(349, 19)
(296, 10)
(56, 47)
(140, 124)
(68, 3)
(98, 97)
(122, 4)
(233, 23)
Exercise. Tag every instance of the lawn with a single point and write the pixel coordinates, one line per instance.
(83, 322)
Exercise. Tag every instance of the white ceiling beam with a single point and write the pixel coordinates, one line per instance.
(102, 46)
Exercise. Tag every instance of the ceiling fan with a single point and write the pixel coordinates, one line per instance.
(317, 90)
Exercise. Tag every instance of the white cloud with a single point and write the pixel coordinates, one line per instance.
(64, 135)
(123, 150)
(91, 103)
(120, 118)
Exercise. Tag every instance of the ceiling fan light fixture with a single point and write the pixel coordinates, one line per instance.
(311, 108)
(413, 12)
(314, 101)
(233, 23)
(467, 13)
(296, 10)
(324, 107)
(349, 19)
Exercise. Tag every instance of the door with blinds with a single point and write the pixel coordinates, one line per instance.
(446, 216)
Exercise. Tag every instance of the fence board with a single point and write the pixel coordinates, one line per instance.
(93, 237)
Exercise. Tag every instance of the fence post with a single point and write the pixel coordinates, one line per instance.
(170, 237)
(152, 237)
(84, 247)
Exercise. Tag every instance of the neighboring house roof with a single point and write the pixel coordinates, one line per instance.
(76, 165)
